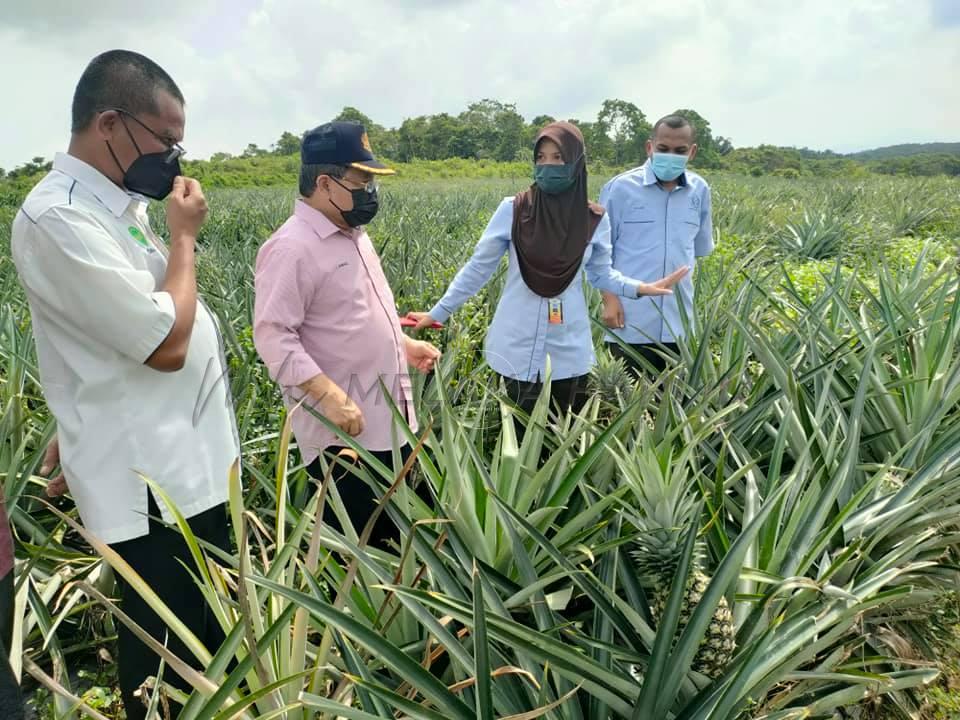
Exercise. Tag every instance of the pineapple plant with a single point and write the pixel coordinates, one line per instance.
(665, 512)
(612, 382)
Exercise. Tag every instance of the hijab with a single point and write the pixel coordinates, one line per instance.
(551, 231)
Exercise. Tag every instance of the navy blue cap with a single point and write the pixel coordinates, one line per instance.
(341, 143)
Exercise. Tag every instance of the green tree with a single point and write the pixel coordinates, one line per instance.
(480, 118)
(764, 160)
(708, 149)
(464, 143)
(620, 133)
(438, 136)
(497, 127)
(541, 120)
(383, 141)
(512, 135)
(253, 150)
(36, 166)
(351, 114)
(288, 144)
(411, 140)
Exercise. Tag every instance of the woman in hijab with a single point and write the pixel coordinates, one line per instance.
(551, 232)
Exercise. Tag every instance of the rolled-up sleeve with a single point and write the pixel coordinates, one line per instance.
(84, 281)
(282, 293)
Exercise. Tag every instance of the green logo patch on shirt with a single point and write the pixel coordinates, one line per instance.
(137, 234)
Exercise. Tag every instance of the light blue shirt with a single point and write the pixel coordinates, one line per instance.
(655, 232)
(520, 337)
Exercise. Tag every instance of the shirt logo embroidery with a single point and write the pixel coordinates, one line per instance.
(694, 202)
(138, 235)
(343, 264)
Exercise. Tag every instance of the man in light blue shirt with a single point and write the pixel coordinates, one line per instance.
(660, 217)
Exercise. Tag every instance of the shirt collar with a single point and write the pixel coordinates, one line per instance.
(320, 223)
(650, 179)
(113, 197)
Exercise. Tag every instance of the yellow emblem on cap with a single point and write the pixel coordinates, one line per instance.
(365, 141)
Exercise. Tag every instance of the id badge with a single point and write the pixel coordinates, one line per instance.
(554, 311)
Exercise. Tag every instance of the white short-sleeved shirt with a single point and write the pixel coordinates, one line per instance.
(92, 269)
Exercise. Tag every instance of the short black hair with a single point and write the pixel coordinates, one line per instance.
(120, 79)
(309, 174)
(676, 122)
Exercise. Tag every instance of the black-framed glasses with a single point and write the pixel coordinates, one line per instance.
(175, 149)
(371, 186)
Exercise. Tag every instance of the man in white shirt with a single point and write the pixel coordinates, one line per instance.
(131, 361)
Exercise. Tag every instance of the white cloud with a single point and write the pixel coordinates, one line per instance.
(821, 73)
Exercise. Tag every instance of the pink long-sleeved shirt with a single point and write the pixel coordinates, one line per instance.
(323, 305)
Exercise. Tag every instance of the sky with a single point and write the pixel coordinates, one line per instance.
(844, 75)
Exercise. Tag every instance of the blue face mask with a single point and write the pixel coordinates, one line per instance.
(554, 179)
(667, 166)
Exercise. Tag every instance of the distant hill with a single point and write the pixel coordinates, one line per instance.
(907, 150)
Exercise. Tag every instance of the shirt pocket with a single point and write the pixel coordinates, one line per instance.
(641, 242)
(342, 299)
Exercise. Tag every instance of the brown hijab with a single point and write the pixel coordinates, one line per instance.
(551, 232)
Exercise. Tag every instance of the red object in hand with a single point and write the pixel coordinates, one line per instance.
(410, 322)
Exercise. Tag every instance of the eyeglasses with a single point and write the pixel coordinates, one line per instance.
(371, 186)
(174, 148)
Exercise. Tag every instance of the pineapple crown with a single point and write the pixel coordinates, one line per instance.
(663, 509)
(663, 490)
(612, 380)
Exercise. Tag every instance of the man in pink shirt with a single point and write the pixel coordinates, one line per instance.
(325, 321)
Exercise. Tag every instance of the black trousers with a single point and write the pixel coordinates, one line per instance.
(11, 702)
(156, 557)
(649, 352)
(566, 394)
(359, 498)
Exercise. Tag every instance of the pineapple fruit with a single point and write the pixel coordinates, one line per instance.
(666, 510)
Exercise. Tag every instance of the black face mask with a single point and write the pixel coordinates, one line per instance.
(365, 205)
(151, 175)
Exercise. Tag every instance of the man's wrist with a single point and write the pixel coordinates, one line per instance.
(321, 387)
(182, 237)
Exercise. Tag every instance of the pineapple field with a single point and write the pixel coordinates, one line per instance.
(768, 529)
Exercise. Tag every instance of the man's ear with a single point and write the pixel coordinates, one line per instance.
(106, 124)
(693, 153)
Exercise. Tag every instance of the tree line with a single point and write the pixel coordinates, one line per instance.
(491, 131)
